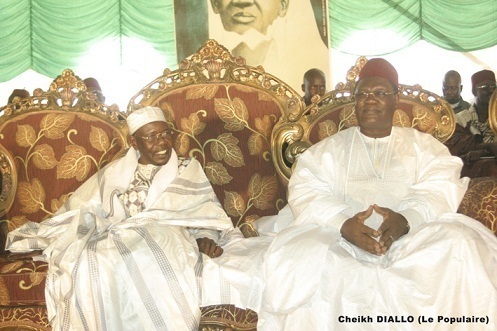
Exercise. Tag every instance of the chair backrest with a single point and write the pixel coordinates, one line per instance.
(58, 138)
(223, 112)
(335, 111)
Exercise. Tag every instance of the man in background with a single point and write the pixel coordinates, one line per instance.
(451, 88)
(314, 84)
(473, 140)
(93, 86)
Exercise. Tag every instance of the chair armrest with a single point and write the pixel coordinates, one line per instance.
(480, 201)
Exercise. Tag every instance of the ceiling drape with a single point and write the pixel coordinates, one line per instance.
(51, 35)
(457, 25)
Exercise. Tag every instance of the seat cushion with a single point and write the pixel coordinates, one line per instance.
(24, 318)
(213, 317)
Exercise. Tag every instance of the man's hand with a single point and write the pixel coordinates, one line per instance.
(473, 156)
(355, 232)
(393, 227)
(490, 148)
(209, 247)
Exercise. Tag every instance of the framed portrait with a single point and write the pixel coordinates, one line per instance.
(286, 37)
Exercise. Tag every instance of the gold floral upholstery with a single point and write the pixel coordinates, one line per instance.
(24, 319)
(50, 144)
(60, 136)
(480, 201)
(22, 281)
(223, 113)
(227, 317)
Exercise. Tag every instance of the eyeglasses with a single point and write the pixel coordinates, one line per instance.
(153, 138)
(486, 87)
(375, 94)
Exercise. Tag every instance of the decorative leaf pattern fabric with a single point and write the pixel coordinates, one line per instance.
(227, 127)
(31, 196)
(74, 163)
(50, 147)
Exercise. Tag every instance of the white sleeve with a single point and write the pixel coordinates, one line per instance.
(438, 188)
(314, 194)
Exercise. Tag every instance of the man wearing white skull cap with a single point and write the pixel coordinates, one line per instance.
(126, 250)
(143, 116)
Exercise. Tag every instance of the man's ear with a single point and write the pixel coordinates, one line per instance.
(215, 6)
(284, 7)
(303, 88)
(132, 142)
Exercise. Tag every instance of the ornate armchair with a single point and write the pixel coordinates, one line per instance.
(50, 144)
(418, 108)
(223, 112)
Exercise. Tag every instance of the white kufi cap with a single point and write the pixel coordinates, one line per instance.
(143, 116)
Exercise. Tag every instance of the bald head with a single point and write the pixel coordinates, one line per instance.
(314, 83)
(452, 74)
